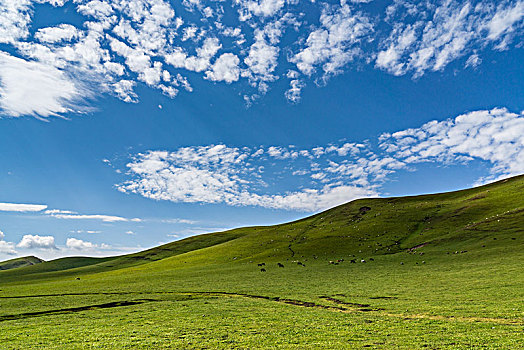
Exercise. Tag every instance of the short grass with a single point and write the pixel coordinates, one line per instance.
(442, 271)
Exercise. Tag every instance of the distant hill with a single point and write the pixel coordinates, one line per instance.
(20, 262)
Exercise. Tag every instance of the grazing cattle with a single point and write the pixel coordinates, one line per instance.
(262, 270)
(262, 264)
(362, 261)
(280, 265)
(353, 261)
(331, 262)
(371, 259)
(299, 263)
(340, 260)
(78, 278)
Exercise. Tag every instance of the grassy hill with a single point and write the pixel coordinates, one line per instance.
(20, 262)
(437, 271)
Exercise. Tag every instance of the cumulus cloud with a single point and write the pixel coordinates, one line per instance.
(324, 176)
(37, 89)
(22, 207)
(225, 69)
(37, 242)
(7, 248)
(78, 244)
(62, 32)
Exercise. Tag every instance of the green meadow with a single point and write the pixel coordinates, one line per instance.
(442, 271)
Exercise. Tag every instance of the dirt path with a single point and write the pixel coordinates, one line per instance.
(339, 306)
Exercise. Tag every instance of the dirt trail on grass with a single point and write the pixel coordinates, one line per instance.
(356, 307)
(340, 306)
(75, 309)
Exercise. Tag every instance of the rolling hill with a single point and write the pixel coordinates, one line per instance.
(20, 262)
(439, 271)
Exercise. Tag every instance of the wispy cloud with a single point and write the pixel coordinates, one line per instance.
(427, 37)
(36, 89)
(15, 207)
(105, 218)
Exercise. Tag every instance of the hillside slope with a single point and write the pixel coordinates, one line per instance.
(491, 215)
(440, 271)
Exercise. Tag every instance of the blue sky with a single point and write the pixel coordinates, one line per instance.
(130, 123)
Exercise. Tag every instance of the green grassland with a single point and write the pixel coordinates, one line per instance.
(443, 271)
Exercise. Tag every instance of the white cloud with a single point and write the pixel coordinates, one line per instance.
(72, 215)
(220, 174)
(505, 19)
(473, 61)
(62, 32)
(35, 241)
(104, 218)
(58, 211)
(443, 33)
(324, 176)
(333, 45)
(87, 231)
(293, 94)
(119, 44)
(179, 221)
(263, 8)
(15, 16)
(225, 69)
(495, 136)
(22, 207)
(34, 88)
(78, 244)
(7, 248)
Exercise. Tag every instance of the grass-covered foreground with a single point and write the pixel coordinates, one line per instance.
(441, 271)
